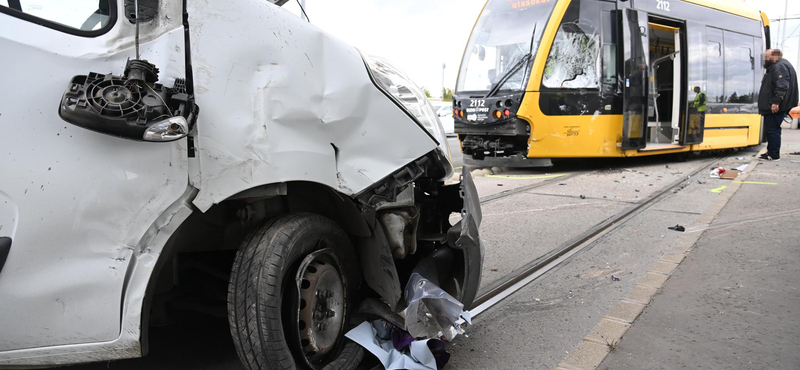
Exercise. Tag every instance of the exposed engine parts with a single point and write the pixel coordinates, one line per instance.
(133, 106)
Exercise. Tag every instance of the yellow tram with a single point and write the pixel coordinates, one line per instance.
(545, 79)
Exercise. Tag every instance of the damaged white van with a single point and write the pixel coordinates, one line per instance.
(213, 155)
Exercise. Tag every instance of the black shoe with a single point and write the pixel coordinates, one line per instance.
(766, 157)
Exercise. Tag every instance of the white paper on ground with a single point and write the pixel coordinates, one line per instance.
(742, 167)
(421, 357)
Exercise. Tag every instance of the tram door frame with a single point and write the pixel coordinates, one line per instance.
(636, 77)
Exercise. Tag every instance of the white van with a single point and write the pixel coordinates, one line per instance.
(148, 144)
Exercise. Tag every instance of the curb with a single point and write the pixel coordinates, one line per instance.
(605, 337)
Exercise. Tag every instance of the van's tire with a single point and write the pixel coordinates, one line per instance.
(262, 294)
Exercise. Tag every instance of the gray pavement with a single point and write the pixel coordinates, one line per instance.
(733, 303)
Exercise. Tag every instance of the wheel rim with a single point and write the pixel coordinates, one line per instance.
(321, 305)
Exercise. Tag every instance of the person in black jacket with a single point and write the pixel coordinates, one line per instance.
(777, 96)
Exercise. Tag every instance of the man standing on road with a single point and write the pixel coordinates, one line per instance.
(777, 96)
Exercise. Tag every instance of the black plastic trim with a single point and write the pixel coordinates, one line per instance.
(5, 247)
(112, 20)
(726, 128)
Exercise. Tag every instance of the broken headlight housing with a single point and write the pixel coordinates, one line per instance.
(394, 82)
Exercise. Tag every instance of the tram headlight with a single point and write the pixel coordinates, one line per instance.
(405, 93)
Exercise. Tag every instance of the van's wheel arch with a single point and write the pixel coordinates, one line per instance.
(267, 323)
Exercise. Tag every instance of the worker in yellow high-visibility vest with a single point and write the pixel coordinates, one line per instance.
(697, 112)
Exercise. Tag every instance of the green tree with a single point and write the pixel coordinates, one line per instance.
(448, 94)
(427, 93)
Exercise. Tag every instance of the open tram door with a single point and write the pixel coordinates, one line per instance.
(636, 61)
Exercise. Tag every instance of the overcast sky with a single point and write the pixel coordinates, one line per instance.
(420, 35)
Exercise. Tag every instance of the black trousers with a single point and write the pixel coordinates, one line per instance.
(772, 129)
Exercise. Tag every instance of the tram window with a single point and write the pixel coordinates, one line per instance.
(574, 60)
(739, 68)
(697, 96)
(505, 35)
(714, 67)
(609, 63)
(609, 39)
(758, 47)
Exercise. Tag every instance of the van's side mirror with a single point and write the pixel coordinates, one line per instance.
(133, 106)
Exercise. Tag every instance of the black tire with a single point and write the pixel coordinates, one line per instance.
(263, 269)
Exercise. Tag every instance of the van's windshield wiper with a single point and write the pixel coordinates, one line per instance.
(514, 68)
(508, 75)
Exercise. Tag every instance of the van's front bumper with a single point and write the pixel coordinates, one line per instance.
(464, 237)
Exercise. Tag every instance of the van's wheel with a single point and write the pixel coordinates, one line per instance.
(292, 294)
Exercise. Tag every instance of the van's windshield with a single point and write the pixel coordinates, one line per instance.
(506, 31)
(502, 36)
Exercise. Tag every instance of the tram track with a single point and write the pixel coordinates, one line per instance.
(519, 278)
(521, 189)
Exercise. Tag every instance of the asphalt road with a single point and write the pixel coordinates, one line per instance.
(455, 151)
(536, 326)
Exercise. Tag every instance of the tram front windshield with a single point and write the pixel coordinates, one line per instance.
(505, 33)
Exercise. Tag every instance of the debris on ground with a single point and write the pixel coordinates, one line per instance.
(677, 228)
(432, 317)
(383, 339)
(614, 278)
(729, 174)
(794, 153)
(432, 312)
(570, 295)
(741, 158)
(494, 269)
(741, 168)
(561, 183)
(701, 182)
(716, 172)
(499, 184)
(583, 197)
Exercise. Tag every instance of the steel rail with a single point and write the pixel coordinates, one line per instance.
(525, 188)
(517, 279)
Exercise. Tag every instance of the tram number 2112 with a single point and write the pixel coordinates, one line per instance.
(662, 5)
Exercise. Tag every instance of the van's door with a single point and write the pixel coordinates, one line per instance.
(636, 60)
(79, 202)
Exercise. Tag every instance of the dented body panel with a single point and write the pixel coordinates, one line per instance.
(293, 95)
(91, 214)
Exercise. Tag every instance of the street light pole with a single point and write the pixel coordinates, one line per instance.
(783, 25)
(444, 65)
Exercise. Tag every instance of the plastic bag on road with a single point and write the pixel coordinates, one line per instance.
(432, 312)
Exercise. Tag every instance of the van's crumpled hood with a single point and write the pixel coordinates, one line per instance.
(281, 100)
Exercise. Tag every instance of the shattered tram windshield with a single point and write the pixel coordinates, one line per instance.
(506, 31)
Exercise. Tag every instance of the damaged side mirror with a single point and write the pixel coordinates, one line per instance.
(133, 106)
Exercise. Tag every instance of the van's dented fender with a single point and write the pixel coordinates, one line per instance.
(464, 235)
